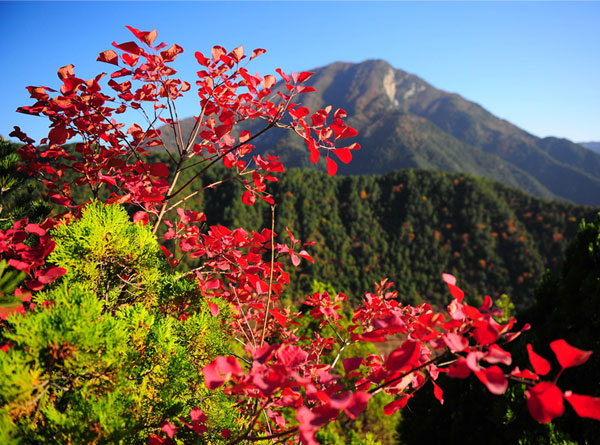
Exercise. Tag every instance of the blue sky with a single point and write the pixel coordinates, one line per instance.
(535, 64)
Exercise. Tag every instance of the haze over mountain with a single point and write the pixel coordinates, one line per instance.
(404, 122)
(595, 146)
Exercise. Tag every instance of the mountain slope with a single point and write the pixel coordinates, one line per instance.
(594, 146)
(405, 122)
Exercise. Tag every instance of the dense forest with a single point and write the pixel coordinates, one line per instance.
(567, 305)
(410, 226)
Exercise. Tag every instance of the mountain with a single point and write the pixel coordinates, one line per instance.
(595, 146)
(404, 122)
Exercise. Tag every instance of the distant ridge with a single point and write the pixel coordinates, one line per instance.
(595, 146)
(404, 122)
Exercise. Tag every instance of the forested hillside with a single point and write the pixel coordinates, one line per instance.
(410, 226)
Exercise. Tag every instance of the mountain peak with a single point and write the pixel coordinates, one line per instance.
(404, 122)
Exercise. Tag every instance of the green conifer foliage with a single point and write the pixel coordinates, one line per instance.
(117, 258)
(18, 196)
(81, 369)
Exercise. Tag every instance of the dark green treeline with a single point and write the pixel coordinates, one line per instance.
(410, 226)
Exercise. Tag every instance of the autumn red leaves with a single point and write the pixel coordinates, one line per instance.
(545, 399)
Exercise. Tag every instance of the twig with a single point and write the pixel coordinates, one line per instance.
(272, 436)
(264, 329)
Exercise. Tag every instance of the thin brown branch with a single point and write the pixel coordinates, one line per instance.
(215, 160)
(273, 436)
(198, 191)
(264, 329)
(244, 435)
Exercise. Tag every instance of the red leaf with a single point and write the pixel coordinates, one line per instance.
(197, 416)
(568, 355)
(107, 179)
(403, 355)
(295, 259)
(299, 112)
(306, 89)
(340, 113)
(472, 312)
(459, 369)
(169, 428)
(244, 136)
(302, 77)
(304, 254)
(65, 72)
(455, 309)
(279, 316)
(348, 132)
(248, 198)
(344, 154)
(130, 47)
(456, 292)
(237, 53)
(545, 402)
(269, 81)
(584, 406)
(147, 37)
(284, 75)
(484, 333)
(258, 284)
(169, 54)
(394, 406)
(157, 440)
(116, 200)
(455, 342)
(350, 364)
(189, 216)
(201, 59)
(331, 167)
(449, 279)
(51, 274)
(109, 56)
(487, 303)
(141, 216)
(377, 336)
(222, 130)
(35, 229)
(217, 52)
(166, 252)
(159, 169)
(58, 135)
(214, 309)
(438, 393)
(357, 404)
(220, 370)
(496, 354)
(257, 52)
(525, 374)
(540, 365)
(493, 378)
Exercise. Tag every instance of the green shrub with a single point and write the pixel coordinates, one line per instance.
(94, 362)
